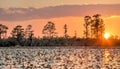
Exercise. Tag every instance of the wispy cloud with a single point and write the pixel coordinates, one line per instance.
(19, 14)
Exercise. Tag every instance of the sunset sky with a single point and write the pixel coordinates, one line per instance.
(70, 12)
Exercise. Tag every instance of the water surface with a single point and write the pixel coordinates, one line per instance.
(60, 58)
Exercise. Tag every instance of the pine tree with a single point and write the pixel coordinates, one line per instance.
(49, 30)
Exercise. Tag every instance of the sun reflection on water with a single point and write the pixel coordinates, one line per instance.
(106, 56)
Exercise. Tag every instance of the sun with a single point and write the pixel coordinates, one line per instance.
(106, 35)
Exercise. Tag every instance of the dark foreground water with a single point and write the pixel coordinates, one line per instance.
(59, 58)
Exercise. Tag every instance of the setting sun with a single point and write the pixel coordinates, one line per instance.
(106, 35)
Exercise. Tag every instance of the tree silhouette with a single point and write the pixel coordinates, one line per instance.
(65, 31)
(49, 30)
(97, 26)
(18, 33)
(3, 31)
(75, 32)
(29, 34)
(87, 20)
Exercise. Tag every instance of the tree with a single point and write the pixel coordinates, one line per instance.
(87, 20)
(49, 30)
(29, 34)
(75, 32)
(97, 27)
(65, 31)
(3, 31)
(18, 33)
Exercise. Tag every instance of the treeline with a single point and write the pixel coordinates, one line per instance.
(55, 41)
(25, 37)
(93, 35)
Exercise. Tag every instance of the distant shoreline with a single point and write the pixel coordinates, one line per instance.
(63, 47)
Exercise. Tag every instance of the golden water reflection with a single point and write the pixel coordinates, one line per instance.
(107, 56)
(111, 59)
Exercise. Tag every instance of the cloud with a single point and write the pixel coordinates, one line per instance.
(20, 14)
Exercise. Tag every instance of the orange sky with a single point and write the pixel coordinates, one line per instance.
(74, 24)
(46, 3)
(70, 12)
